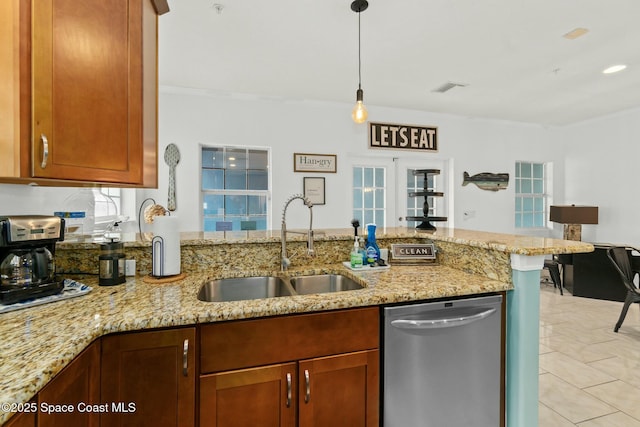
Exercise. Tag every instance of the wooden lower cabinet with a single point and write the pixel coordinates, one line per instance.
(148, 378)
(76, 387)
(336, 391)
(22, 419)
(339, 391)
(319, 369)
(263, 396)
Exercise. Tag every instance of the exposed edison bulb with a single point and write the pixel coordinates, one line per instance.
(359, 113)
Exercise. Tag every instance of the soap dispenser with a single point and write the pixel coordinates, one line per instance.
(372, 249)
(356, 256)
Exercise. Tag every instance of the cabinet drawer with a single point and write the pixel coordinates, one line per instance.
(246, 343)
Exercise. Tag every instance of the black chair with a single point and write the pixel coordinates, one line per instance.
(554, 271)
(621, 256)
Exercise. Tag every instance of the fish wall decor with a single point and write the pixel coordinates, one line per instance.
(487, 181)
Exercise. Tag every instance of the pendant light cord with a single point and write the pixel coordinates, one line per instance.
(359, 60)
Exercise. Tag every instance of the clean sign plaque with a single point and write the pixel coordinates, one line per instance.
(418, 252)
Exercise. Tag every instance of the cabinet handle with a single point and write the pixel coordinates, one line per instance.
(307, 382)
(185, 354)
(288, 390)
(45, 150)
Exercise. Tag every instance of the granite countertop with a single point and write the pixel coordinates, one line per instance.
(508, 243)
(36, 343)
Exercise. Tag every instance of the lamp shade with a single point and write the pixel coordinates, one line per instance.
(573, 214)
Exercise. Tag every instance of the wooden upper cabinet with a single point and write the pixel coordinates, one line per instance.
(89, 76)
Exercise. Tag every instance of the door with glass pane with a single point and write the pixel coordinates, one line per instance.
(373, 192)
(235, 188)
(408, 183)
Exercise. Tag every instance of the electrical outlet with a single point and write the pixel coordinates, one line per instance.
(130, 267)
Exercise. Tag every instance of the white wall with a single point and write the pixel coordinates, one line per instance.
(190, 118)
(602, 157)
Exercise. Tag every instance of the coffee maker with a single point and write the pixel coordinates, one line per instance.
(27, 264)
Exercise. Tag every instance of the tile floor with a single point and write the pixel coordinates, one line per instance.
(589, 375)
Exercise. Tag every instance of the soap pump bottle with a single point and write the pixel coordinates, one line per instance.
(363, 253)
(356, 256)
(372, 249)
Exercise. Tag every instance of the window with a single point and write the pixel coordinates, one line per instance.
(415, 205)
(104, 207)
(531, 195)
(235, 188)
(369, 195)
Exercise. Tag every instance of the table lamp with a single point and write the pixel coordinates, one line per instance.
(573, 217)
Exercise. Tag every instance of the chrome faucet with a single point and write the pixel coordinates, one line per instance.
(285, 261)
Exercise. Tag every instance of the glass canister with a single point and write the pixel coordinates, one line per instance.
(112, 264)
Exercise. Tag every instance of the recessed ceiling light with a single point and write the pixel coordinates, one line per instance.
(614, 69)
(575, 33)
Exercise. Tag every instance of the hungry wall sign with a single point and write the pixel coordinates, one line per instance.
(407, 137)
(305, 162)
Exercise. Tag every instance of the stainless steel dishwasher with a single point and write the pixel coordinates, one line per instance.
(441, 363)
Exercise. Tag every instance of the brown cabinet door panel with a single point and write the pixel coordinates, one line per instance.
(264, 397)
(248, 343)
(144, 373)
(89, 89)
(339, 391)
(23, 419)
(76, 385)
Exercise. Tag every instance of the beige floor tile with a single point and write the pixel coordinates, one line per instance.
(578, 350)
(619, 394)
(544, 349)
(550, 418)
(625, 369)
(619, 419)
(569, 401)
(581, 329)
(573, 371)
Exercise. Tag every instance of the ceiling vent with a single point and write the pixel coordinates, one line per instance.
(448, 86)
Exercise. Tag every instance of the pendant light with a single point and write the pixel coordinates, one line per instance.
(359, 113)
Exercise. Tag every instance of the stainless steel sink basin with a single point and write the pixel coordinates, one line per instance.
(244, 288)
(323, 283)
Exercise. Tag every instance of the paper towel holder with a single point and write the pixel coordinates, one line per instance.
(157, 256)
(160, 273)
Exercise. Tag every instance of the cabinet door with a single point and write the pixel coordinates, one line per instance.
(264, 397)
(22, 419)
(148, 378)
(94, 90)
(77, 385)
(339, 391)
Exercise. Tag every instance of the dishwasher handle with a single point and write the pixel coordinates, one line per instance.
(446, 322)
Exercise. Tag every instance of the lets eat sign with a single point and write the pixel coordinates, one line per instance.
(409, 137)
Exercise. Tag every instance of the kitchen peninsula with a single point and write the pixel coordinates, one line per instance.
(37, 343)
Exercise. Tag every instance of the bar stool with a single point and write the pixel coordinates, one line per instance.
(554, 271)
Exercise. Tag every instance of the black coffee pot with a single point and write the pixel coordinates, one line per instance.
(27, 266)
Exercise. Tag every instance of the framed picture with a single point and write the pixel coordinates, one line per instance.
(314, 190)
(323, 163)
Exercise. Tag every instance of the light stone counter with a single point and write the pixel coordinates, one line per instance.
(36, 343)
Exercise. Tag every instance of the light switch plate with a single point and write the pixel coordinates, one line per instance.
(130, 267)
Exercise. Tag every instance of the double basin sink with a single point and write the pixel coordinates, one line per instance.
(247, 288)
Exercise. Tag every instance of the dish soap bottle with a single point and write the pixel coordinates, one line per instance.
(363, 253)
(356, 256)
(372, 249)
